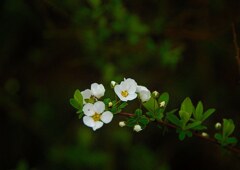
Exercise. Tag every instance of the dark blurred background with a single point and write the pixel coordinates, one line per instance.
(49, 48)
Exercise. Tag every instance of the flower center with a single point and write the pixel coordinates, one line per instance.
(124, 93)
(96, 117)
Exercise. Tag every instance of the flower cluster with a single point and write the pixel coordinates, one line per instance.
(96, 112)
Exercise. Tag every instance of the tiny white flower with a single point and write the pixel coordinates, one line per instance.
(162, 104)
(86, 94)
(98, 90)
(113, 84)
(110, 104)
(95, 115)
(218, 126)
(155, 94)
(144, 93)
(126, 90)
(137, 128)
(204, 134)
(122, 124)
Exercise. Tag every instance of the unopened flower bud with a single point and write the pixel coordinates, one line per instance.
(155, 94)
(218, 126)
(137, 128)
(204, 134)
(122, 124)
(113, 84)
(110, 104)
(162, 104)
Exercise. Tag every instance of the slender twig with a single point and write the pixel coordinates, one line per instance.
(235, 42)
(209, 139)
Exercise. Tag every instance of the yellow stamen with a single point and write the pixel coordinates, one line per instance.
(96, 117)
(124, 93)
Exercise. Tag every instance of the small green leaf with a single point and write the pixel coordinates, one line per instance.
(173, 119)
(78, 97)
(208, 113)
(218, 136)
(181, 135)
(164, 97)
(159, 114)
(75, 104)
(193, 125)
(199, 111)
(185, 116)
(138, 112)
(123, 105)
(143, 120)
(231, 140)
(187, 106)
(151, 105)
(228, 127)
(80, 115)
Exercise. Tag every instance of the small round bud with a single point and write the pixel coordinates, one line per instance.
(137, 128)
(155, 94)
(204, 134)
(162, 104)
(110, 104)
(113, 84)
(218, 126)
(122, 124)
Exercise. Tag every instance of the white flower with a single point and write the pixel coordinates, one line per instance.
(218, 126)
(126, 90)
(95, 115)
(113, 84)
(204, 134)
(162, 104)
(137, 128)
(98, 90)
(86, 94)
(155, 94)
(122, 124)
(144, 93)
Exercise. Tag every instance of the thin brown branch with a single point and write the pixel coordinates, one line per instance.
(209, 139)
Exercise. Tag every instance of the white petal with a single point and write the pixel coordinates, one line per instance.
(98, 125)
(131, 97)
(88, 109)
(88, 121)
(106, 117)
(144, 95)
(132, 85)
(86, 94)
(118, 90)
(141, 88)
(98, 90)
(99, 107)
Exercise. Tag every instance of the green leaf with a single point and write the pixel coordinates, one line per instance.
(151, 105)
(231, 140)
(138, 112)
(173, 119)
(199, 111)
(143, 120)
(80, 115)
(228, 127)
(159, 114)
(208, 113)
(75, 104)
(78, 97)
(123, 105)
(185, 116)
(187, 106)
(218, 136)
(181, 135)
(193, 125)
(164, 97)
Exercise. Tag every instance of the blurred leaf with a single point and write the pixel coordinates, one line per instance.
(193, 125)
(228, 127)
(151, 105)
(208, 113)
(173, 119)
(199, 111)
